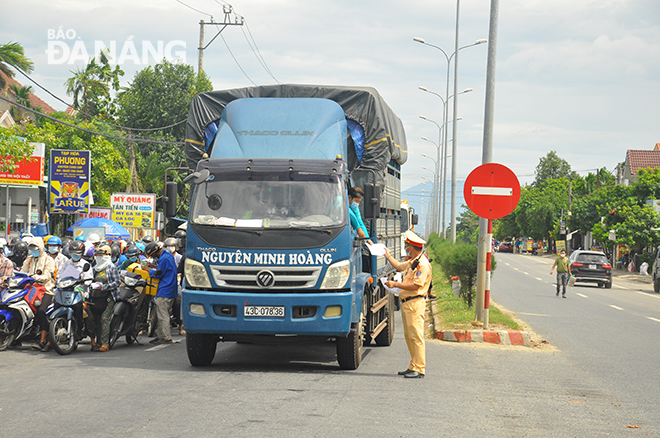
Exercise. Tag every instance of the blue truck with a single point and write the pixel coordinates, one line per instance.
(271, 255)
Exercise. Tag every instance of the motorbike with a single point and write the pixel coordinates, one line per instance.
(66, 328)
(18, 309)
(132, 311)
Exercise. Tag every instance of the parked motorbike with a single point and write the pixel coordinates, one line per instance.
(132, 309)
(66, 328)
(18, 308)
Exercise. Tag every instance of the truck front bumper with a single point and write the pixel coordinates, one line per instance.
(309, 314)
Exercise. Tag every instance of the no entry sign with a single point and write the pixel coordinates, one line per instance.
(491, 191)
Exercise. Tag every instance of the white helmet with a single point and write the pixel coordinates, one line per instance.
(93, 238)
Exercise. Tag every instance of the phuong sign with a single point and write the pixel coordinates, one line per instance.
(29, 171)
(134, 210)
(69, 172)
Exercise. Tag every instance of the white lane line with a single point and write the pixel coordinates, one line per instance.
(618, 287)
(531, 314)
(615, 307)
(539, 279)
(653, 319)
(526, 273)
(646, 294)
(580, 295)
(507, 264)
(516, 268)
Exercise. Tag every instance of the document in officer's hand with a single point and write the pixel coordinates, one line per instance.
(377, 249)
(394, 290)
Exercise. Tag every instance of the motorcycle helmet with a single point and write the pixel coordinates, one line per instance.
(147, 239)
(94, 238)
(132, 251)
(20, 248)
(181, 237)
(65, 246)
(115, 249)
(80, 238)
(140, 245)
(152, 248)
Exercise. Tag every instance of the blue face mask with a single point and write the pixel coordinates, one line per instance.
(75, 257)
(355, 205)
(132, 259)
(53, 249)
(35, 253)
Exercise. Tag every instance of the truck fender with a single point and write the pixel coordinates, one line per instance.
(360, 282)
(61, 311)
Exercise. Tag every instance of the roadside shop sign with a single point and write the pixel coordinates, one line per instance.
(491, 191)
(134, 210)
(101, 212)
(29, 172)
(69, 181)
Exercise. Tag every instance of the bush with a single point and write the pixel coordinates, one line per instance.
(459, 259)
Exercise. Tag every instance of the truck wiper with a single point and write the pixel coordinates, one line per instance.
(257, 232)
(313, 229)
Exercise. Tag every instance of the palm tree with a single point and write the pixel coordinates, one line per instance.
(12, 54)
(22, 98)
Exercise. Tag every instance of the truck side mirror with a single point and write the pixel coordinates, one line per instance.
(371, 201)
(170, 198)
(415, 219)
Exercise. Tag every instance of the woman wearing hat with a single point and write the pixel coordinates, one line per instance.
(415, 286)
(102, 297)
(41, 267)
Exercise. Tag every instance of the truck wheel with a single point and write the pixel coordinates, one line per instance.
(366, 305)
(608, 285)
(386, 336)
(349, 349)
(656, 285)
(201, 349)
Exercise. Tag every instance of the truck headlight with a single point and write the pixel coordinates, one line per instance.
(337, 275)
(196, 274)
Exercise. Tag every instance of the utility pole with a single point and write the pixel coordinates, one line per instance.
(238, 21)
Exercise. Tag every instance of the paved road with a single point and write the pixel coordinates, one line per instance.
(585, 388)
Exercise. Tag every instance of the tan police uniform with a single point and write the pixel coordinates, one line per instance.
(413, 306)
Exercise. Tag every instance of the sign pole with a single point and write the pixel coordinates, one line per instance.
(489, 255)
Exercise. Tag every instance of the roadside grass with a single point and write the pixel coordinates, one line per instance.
(454, 313)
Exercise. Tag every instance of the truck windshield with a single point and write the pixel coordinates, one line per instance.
(270, 200)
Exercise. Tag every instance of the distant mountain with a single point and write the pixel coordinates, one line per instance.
(421, 201)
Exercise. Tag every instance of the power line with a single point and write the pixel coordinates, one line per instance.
(84, 113)
(236, 60)
(196, 10)
(114, 137)
(256, 52)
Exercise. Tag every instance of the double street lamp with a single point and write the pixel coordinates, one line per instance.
(453, 165)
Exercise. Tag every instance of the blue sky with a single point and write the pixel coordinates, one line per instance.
(576, 76)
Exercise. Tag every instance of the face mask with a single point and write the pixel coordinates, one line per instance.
(102, 260)
(356, 204)
(132, 259)
(170, 249)
(563, 255)
(35, 253)
(75, 257)
(53, 249)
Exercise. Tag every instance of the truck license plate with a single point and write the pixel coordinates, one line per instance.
(277, 311)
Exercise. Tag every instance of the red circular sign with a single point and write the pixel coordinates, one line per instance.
(491, 191)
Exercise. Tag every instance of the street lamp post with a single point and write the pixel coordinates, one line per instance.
(448, 58)
(436, 186)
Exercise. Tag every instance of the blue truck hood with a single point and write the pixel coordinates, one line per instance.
(281, 128)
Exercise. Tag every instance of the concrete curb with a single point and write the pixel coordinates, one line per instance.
(501, 337)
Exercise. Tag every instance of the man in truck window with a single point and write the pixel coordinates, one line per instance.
(415, 286)
(355, 195)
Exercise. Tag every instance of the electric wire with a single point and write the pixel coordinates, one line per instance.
(82, 112)
(236, 60)
(196, 10)
(89, 131)
(256, 51)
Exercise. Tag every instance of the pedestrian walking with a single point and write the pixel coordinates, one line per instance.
(563, 272)
(415, 286)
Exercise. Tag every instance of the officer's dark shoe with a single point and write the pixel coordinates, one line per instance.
(557, 293)
(403, 373)
(414, 375)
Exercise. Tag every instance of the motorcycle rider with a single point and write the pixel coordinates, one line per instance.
(102, 297)
(41, 267)
(6, 265)
(54, 246)
(20, 252)
(132, 253)
(77, 263)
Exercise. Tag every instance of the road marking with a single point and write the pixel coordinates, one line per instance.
(653, 319)
(531, 314)
(526, 273)
(516, 268)
(161, 346)
(580, 295)
(539, 279)
(615, 307)
(619, 287)
(507, 264)
(646, 294)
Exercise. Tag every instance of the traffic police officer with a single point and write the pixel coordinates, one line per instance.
(415, 286)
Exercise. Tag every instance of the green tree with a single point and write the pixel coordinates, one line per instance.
(13, 149)
(22, 98)
(467, 226)
(13, 54)
(92, 86)
(551, 167)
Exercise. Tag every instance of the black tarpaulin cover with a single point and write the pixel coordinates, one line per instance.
(385, 138)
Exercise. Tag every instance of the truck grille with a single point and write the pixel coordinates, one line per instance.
(286, 277)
